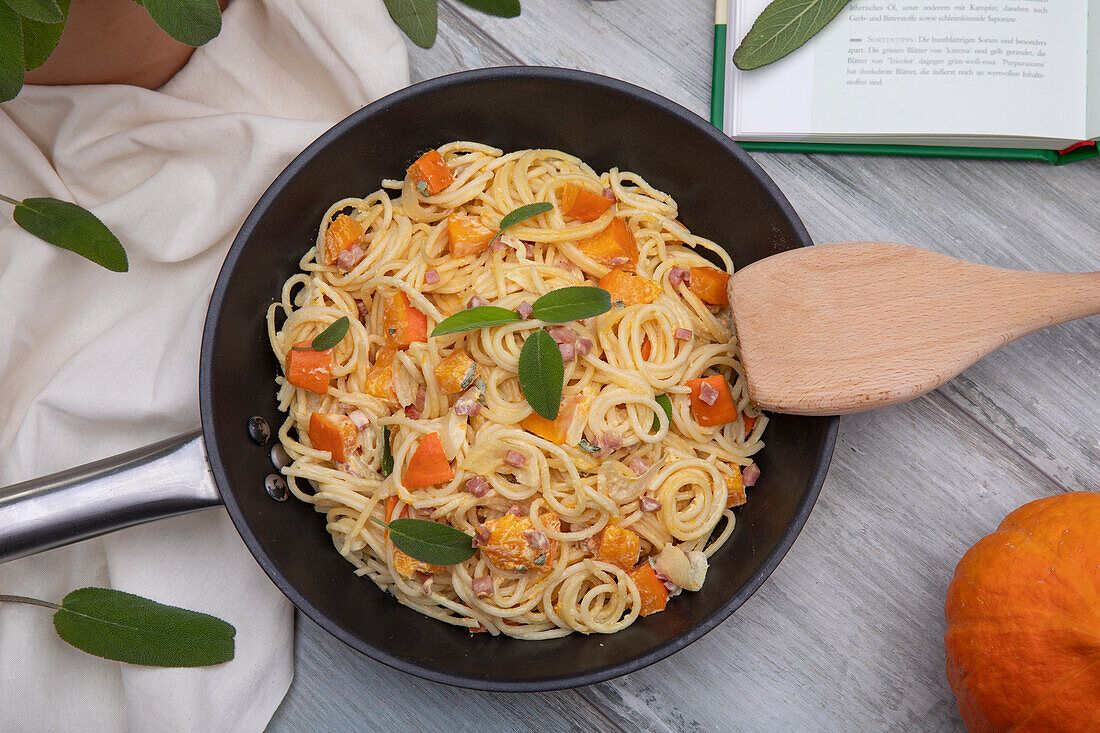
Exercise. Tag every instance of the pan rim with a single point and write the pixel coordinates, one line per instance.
(217, 461)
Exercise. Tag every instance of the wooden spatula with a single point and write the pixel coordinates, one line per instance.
(841, 328)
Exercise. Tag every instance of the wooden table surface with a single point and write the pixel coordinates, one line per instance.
(847, 634)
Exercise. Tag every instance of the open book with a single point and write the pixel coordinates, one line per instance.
(990, 78)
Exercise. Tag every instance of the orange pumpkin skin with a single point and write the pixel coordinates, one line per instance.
(1023, 621)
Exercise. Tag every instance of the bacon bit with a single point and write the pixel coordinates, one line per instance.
(536, 539)
(648, 504)
(431, 277)
(514, 458)
(475, 302)
(749, 474)
(678, 275)
(584, 346)
(483, 586)
(591, 545)
(684, 334)
(568, 352)
(708, 393)
(414, 410)
(618, 261)
(498, 246)
(673, 589)
(350, 257)
(525, 310)
(607, 193)
(477, 486)
(515, 510)
(467, 406)
(563, 334)
(425, 512)
(639, 466)
(425, 582)
(359, 418)
(481, 534)
(412, 413)
(567, 266)
(610, 440)
(361, 306)
(530, 249)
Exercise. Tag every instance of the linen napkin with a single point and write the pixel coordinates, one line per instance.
(94, 363)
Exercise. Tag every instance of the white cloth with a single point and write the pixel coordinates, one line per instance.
(94, 363)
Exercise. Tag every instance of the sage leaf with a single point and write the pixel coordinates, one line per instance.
(431, 542)
(419, 19)
(783, 27)
(44, 11)
(331, 336)
(523, 213)
(11, 53)
(499, 8)
(73, 228)
(40, 39)
(481, 316)
(387, 452)
(541, 374)
(571, 304)
(193, 22)
(127, 628)
(666, 405)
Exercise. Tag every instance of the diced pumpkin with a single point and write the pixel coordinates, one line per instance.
(647, 348)
(428, 465)
(468, 234)
(614, 246)
(619, 546)
(629, 288)
(406, 566)
(341, 234)
(309, 369)
(380, 377)
(557, 430)
(508, 547)
(401, 323)
(653, 592)
(709, 284)
(335, 433)
(580, 203)
(735, 487)
(430, 172)
(456, 372)
(750, 422)
(722, 411)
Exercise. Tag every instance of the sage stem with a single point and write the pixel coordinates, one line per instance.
(24, 599)
(13, 202)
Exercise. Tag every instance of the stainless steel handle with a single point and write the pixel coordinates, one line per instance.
(160, 480)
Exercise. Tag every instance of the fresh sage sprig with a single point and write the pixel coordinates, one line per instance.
(387, 452)
(70, 227)
(783, 27)
(482, 316)
(571, 304)
(419, 19)
(542, 374)
(431, 542)
(328, 338)
(127, 628)
(666, 404)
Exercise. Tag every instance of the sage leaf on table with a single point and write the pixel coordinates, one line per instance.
(44, 11)
(481, 316)
(430, 542)
(40, 39)
(499, 8)
(666, 405)
(419, 19)
(193, 22)
(541, 374)
(11, 53)
(571, 304)
(70, 227)
(328, 338)
(783, 27)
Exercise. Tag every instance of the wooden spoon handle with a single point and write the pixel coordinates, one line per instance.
(842, 328)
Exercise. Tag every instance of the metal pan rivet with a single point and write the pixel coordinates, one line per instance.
(259, 430)
(276, 487)
(279, 457)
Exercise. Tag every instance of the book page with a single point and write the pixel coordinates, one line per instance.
(996, 67)
(1092, 114)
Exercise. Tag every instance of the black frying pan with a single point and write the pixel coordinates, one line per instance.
(723, 195)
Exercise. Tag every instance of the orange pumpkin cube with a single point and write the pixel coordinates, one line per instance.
(510, 548)
(654, 594)
(309, 369)
(380, 377)
(750, 422)
(735, 487)
(647, 348)
(431, 174)
(628, 288)
(468, 234)
(401, 323)
(709, 284)
(335, 433)
(614, 246)
(722, 411)
(580, 203)
(428, 466)
(341, 234)
(406, 566)
(619, 546)
(557, 429)
(456, 372)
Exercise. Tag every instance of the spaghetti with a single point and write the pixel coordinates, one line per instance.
(581, 523)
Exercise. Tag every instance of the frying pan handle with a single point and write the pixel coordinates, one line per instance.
(159, 480)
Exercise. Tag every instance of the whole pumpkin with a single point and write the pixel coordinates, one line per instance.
(1023, 621)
